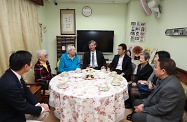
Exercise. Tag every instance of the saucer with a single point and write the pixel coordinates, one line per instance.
(77, 75)
(63, 86)
(116, 83)
(103, 88)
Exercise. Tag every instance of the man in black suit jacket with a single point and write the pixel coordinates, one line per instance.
(16, 98)
(97, 61)
(121, 63)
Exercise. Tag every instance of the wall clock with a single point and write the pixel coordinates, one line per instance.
(86, 11)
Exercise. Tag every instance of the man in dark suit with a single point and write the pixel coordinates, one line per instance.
(166, 102)
(121, 63)
(16, 98)
(93, 58)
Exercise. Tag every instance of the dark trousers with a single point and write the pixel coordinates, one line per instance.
(138, 117)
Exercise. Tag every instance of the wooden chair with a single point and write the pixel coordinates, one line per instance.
(29, 79)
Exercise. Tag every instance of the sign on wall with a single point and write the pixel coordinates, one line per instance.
(137, 32)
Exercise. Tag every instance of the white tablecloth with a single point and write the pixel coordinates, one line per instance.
(82, 101)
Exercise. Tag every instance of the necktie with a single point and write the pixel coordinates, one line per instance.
(21, 83)
(93, 65)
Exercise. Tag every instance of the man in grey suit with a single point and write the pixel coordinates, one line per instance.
(166, 102)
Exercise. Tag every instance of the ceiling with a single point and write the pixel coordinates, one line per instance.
(90, 1)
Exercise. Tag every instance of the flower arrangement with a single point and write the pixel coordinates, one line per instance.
(147, 49)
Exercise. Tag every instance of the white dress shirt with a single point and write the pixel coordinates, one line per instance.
(120, 62)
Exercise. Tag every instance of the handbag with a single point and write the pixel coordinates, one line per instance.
(143, 89)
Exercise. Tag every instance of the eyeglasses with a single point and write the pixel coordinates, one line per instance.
(46, 55)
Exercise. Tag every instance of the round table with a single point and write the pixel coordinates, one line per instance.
(82, 101)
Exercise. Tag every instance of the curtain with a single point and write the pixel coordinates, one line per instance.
(19, 29)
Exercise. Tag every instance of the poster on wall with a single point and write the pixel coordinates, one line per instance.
(137, 32)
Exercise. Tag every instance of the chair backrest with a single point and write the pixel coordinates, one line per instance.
(29, 77)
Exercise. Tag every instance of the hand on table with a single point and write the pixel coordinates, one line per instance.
(45, 106)
(103, 67)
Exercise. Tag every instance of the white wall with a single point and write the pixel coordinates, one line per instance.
(173, 16)
(104, 17)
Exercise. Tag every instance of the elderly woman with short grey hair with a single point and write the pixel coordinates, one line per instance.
(42, 70)
(69, 61)
(143, 72)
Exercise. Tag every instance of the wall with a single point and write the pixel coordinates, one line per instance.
(104, 17)
(42, 19)
(118, 17)
(173, 16)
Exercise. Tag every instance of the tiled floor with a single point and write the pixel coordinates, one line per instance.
(52, 118)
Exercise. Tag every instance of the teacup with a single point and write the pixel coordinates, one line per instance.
(113, 73)
(119, 77)
(64, 74)
(61, 84)
(103, 70)
(78, 70)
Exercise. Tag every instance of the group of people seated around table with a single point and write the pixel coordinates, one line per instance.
(93, 58)
(155, 94)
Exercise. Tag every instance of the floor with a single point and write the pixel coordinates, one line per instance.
(52, 118)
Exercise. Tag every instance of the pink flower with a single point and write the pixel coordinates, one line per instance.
(107, 102)
(65, 97)
(97, 109)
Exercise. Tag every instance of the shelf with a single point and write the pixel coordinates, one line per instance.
(176, 32)
(62, 42)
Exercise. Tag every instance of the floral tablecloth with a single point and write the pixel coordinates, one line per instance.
(82, 101)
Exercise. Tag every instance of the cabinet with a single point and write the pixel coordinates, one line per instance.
(62, 43)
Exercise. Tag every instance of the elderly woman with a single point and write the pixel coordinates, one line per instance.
(69, 61)
(42, 70)
(138, 90)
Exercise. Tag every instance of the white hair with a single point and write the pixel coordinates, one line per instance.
(70, 47)
(39, 53)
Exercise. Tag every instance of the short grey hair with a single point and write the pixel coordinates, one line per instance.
(70, 47)
(146, 55)
(92, 41)
(39, 53)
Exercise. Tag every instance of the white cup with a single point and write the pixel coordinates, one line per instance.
(103, 70)
(119, 77)
(61, 84)
(78, 70)
(113, 73)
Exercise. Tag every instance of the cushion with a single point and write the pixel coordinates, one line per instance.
(29, 77)
(185, 88)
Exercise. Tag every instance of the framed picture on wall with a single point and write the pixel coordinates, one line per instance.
(67, 22)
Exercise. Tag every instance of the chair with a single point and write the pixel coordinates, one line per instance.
(29, 79)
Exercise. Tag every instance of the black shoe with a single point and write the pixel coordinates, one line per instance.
(129, 117)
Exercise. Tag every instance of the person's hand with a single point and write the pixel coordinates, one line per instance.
(150, 86)
(108, 69)
(122, 74)
(142, 81)
(133, 84)
(45, 106)
(103, 67)
(139, 108)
